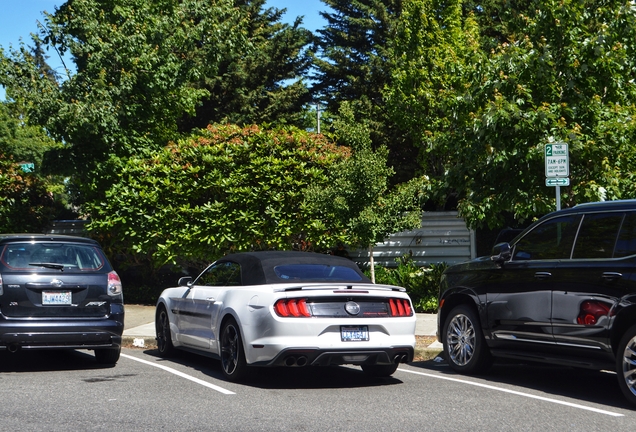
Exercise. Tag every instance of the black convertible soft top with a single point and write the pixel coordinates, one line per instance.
(260, 268)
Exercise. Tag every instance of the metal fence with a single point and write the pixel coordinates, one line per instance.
(442, 237)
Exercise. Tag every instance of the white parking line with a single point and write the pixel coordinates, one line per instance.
(181, 374)
(556, 401)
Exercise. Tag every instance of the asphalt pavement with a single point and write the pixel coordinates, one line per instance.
(139, 326)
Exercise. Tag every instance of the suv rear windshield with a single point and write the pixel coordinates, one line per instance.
(30, 256)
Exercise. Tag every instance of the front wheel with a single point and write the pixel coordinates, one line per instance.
(164, 338)
(626, 364)
(464, 343)
(232, 355)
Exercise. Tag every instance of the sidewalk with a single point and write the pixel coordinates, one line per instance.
(139, 326)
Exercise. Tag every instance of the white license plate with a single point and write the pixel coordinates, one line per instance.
(57, 298)
(354, 333)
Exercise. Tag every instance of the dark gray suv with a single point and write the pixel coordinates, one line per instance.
(563, 292)
(59, 292)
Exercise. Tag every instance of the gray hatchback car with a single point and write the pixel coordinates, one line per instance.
(59, 292)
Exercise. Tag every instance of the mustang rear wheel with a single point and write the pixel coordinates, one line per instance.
(464, 343)
(164, 338)
(626, 364)
(232, 355)
(379, 370)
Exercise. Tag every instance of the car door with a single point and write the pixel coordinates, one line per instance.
(519, 298)
(598, 274)
(199, 307)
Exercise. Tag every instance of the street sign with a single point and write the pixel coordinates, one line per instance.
(557, 163)
(557, 181)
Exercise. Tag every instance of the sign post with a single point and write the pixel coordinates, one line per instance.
(557, 168)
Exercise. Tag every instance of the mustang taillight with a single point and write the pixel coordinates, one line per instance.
(292, 308)
(400, 307)
(591, 311)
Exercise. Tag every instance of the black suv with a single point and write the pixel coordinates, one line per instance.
(563, 292)
(59, 292)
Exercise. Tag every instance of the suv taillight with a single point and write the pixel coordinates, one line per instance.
(114, 284)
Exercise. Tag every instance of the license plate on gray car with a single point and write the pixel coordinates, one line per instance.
(354, 333)
(57, 298)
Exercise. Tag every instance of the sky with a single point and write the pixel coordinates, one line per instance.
(18, 19)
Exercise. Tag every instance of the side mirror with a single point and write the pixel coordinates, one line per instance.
(500, 253)
(185, 281)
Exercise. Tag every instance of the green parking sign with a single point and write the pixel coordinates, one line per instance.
(557, 162)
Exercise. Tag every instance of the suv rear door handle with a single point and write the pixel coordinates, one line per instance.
(611, 275)
(542, 275)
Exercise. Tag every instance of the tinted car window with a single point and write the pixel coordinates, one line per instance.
(321, 272)
(552, 239)
(626, 243)
(597, 236)
(29, 256)
(221, 274)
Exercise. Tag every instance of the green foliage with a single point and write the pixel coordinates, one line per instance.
(560, 71)
(262, 85)
(358, 196)
(25, 204)
(135, 65)
(223, 189)
(421, 283)
(353, 66)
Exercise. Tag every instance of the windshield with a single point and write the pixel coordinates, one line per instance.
(51, 255)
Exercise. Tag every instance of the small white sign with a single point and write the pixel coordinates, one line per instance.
(557, 163)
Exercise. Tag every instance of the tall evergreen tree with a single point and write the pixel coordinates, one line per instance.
(353, 65)
(262, 84)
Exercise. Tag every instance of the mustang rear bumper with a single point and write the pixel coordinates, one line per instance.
(326, 357)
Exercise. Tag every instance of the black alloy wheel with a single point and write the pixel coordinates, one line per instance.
(164, 338)
(464, 343)
(232, 355)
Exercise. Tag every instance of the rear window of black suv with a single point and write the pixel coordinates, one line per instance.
(68, 256)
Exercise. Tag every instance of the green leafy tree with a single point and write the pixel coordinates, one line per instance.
(223, 189)
(25, 204)
(564, 74)
(358, 196)
(23, 142)
(263, 84)
(135, 62)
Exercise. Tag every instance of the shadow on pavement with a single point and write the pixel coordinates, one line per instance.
(48, 360)
(308, 377)
(599, 387)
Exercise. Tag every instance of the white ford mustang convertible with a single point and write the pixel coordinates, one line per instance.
(289, 309)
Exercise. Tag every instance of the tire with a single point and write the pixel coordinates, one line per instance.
(626, 364)
(107, 356)
(164, 337)
(464, 344)
(233, 361)
(379, 370)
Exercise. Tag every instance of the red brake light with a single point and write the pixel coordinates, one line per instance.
(292, 308)
(400, 307)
